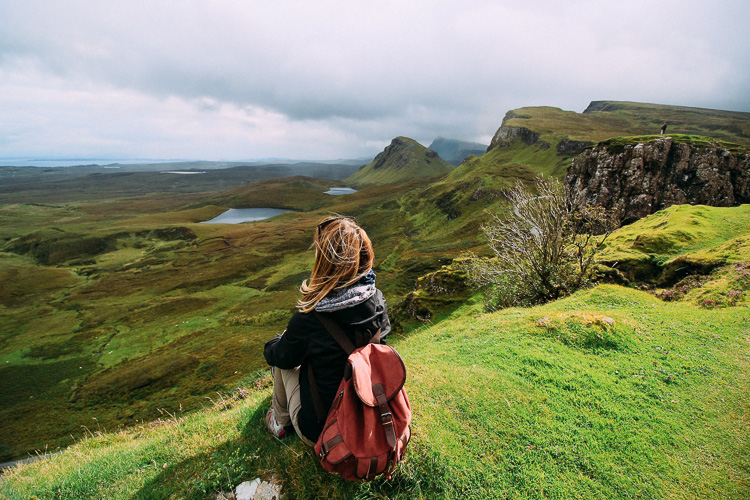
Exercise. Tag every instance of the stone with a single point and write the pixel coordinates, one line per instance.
(268, 491)
(258, 490)
(569, 147)
(604, 320)
(543, 322)
(636, 180)
(246, 490)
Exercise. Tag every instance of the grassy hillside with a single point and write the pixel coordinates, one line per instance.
(559, 135)
(118, 309)
(543, 402)
(294, 193)
(113, 310)
(402, 161)
(448, 213)
(451, 208)
(695, 253)
(479, 182)
(121, 307)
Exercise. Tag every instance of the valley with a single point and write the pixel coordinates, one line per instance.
(120, 306)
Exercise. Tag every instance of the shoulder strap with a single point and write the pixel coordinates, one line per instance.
(320, 412)
(336, 332)
(340, 337)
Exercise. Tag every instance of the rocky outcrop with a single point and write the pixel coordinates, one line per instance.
(638, 179)
(571, 148)
(505, 135)
(433, 293)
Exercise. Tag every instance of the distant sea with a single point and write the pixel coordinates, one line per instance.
(26, 162)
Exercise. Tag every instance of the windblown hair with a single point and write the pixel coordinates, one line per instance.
(343, 254)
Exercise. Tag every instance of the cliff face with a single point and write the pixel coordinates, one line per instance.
(505, 135)
(639, 179)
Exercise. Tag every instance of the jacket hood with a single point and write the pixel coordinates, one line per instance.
(371, 314)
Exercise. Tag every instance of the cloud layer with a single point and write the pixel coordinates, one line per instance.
(238, 80)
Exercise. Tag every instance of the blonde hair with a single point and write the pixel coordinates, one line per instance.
(343, 254)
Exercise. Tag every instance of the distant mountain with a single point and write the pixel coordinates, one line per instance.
(403, 160)
(454, 151)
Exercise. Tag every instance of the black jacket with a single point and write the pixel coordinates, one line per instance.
(306, 341)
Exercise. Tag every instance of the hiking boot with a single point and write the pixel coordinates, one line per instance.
(276, 428)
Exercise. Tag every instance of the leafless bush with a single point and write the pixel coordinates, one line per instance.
(545, 248)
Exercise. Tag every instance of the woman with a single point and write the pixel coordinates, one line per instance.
(341, 287)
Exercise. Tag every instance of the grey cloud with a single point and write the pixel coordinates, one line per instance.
(389, 68)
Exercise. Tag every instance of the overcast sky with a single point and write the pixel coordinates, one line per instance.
(232, 80)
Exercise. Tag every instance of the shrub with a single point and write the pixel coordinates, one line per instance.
(544, 249)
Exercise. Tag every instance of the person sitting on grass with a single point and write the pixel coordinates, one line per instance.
(341, 286)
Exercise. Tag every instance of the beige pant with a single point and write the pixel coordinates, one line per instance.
(286, 400)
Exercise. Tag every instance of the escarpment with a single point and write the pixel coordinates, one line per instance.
(506, 134)
(638, 179)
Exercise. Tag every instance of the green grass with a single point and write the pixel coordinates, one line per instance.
(582, 410)
(300, 193)
(654, 406)
(576, 126)
(695, 253)
(116, 309)
(697, 141)
(147, 322)
(678, 230)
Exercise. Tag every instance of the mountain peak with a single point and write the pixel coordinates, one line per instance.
(455, 151)
(404, 159)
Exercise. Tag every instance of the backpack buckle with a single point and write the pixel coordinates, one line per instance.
(386, 417)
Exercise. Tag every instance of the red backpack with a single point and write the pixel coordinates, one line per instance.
(367, 428)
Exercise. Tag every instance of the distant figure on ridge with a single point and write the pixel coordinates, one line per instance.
(663, 129)
(342, 288)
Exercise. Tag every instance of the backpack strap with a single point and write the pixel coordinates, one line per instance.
(340, 337)
(336, 332)
(386, 417)
(320, 412)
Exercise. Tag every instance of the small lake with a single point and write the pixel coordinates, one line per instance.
(339, 191)
(239, 215)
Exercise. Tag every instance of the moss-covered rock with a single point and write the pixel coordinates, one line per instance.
(436, 292)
